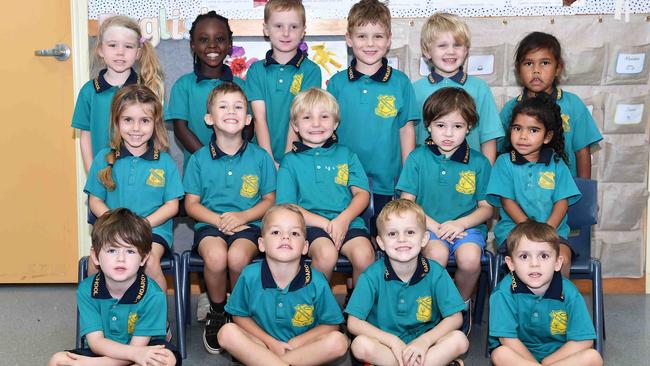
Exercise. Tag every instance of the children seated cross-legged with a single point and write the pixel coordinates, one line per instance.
(449, 180)
(122, 311)
(327, 181)
(283, 310)
(536, 316)
(229, 184)
(405, 309)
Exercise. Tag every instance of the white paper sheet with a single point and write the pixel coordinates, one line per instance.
(628, 114)
(630, 63)
(480, 64)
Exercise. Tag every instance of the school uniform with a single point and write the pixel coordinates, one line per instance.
(489, 124)
(284, 313)
(406, 310)
(277, 85)
(188, 102)
(373, 108)
(579, 127)
(542, 323)
(143, 184)
(535, 186)
(93, 109)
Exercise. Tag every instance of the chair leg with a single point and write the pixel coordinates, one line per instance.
(186, 287)
(597, 299)
(179, 306)
(496, 274)
(82, 273)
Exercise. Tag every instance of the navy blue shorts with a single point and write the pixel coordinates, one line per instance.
(154, 342)
(378, 203)
(314, 233)
(251, 233)
(155, 238)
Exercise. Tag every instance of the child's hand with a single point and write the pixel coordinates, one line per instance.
(152, 355)
(279, 348)
(337, 228)
(397, 346)
(73, 360)
(238, 229)
(414, 353)
(231, 220)
(450, 230)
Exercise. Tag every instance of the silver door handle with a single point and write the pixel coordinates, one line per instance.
(60, 51)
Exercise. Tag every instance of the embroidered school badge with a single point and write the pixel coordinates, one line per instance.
(249, 186)
(424, 309)
(296, 84)
(558, 321)
(386, 106)
(156, 178)
(342, 174)
(467, 182)
(546, 180)
(303, 316)
(565, 123)
(133, 318)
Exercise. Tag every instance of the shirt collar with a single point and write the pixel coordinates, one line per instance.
(421, 270)
(461, 155)
(545, 156)
(382, 75)
(133, 294)
(217, 153)
(299, 147)
(101, 84)
(152, 153)
(302, 279)
(554, 290)
(226, 73)
(556, 94)
(295, 61)
(460, 77)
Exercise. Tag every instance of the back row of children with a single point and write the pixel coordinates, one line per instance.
(229, 183)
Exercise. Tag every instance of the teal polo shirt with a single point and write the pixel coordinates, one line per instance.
(446, 188)
(93, 109)
(277, 85)
(580, 129)
(535, 186)
(229, 183)
(405, 309)
(489, 124)
(141, 312)
(142, 184)
(319, 179)
(188, 102)
(542, 323)
(373, 109)
(284, 313)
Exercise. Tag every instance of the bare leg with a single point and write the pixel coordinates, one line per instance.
(438, 251)
(446, 349)
(360, 253)
(506, 356)
(369, 350)
(324, 255)
(152, 267)
(468, 260)
(587, 357)
(214, 252)
(240, 254)
(246, 348)
(324, 349)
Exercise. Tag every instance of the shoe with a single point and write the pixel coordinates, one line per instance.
(466, 327)
(456, 362)
(202, 307)
(213, 324)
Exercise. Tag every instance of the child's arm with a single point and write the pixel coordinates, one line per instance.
(97, 205)
(583, 162)
(420, 345)
(119, 354)
(489, 149)
(407, 139)
(357, 326)
(187, 138)
(249, 325)
(232, 220)
(312, 334)
(450, 230)
(568, 349)
(512, 208)
(560, 209)
(338, 227)
(86, 146)
(516, 345)
(262, 128)
(432, 225)
(199, 212)
(165, 212)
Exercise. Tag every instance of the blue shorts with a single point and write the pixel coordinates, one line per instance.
(473, 236)
(251, 233)
(154, 342)
(314, 233)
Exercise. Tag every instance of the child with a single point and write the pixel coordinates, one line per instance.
(532, 181)
(229, 184)
(283, 310)
(378, 107)
(538, 65)
(449, 179)
(120, 45)
(122, 312)
(272, 83)
(536, 316)
(210, 42)
(445, 42)
(405, 309)
(136, 172)
(327, 181)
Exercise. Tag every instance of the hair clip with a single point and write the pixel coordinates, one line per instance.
(110, 164)
(142, 40)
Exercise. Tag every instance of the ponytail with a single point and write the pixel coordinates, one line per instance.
(151, 70)
(105, 175)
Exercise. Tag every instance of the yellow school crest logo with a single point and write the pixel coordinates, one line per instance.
(386, 106)
(133, 318)
(467, 182)
(546, 180)
(303, 316)
(342, 174)
(249, 186)
(424, 309)
(558, 321)
(156, 178)
(565, 123)
(296, 83)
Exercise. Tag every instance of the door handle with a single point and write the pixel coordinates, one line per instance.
(60, 51)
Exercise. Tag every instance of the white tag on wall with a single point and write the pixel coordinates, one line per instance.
(424, 67)
(394, 62)
(480, 64)
(590, 108)
(630, 63)
(628, 114)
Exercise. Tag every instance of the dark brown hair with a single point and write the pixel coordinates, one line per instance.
(449, 100)
(122, 226)
(533, 231)
(538, 41)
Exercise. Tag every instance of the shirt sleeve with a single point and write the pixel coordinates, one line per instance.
(93, 185)
(327, 308)
(238, 301)
(447, 296)
(178, 106)
(411, 111)
(287, 191)
(410, 176)
(362, 299)
(482, 180)
(90, 318)
(565, 186)
(503, 316)
(586, 132)
(81, 116)
(254, 86)
(580, 326)
(312, 79)
(490, 126)
(500, 184)
(357, 176)
(192, 177)
(152, 321)
(173, 182)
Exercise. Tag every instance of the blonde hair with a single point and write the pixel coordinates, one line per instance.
(399, 207)
(308, 99)
(284, 207)
(368, 12)
(149, 66)
(284, 5)
(125, 97)
(440, 23)
(223, 89)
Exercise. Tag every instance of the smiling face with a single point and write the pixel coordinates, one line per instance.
(120, 48)
(119, 261)
(538, 70)
(446, 54)
(136, 125)
(535, 263)
(228, 114)
(285, 29)
(448, 132)
(528, 135)
(315, 126)
(369, 43)
(402, 237)
(283, 237)
(211, 43)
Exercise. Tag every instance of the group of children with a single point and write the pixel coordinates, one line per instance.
(318, 161)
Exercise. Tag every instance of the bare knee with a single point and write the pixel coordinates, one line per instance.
(153, 264)
(593, 357)
(459, 341)
(325, 254)
(215, 258)
(362, 347)
(469, 261)
(497, 355)
(58, 358)
(362, 256)
(171, 359)
(226, 334)
(336, 343)
(237, 260)
(436, 251)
